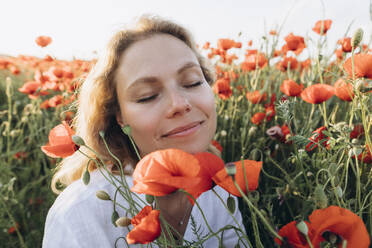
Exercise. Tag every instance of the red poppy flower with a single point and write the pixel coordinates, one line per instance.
(357, 131)
(362, 66)
(293, 237)
(366, 156)
(146, 226)
(257, 118)
(225, 44)
(222, 88)
(20, 155)
(12, 229)
(32, 88)
(317, 137)
(346, 44)
(216, 144)
(305, 64)
(43, 41)
(322, 30)
(256, 97)
(286, 132)
(291, 88)
(60, 143)
(341, 222)
(293, 43)
(287, 62)
(162, 172)
(339, 54)
(273, 32)
(252, 172)
(344, 90)
(317, 93)
(206, 45)
(251, 60)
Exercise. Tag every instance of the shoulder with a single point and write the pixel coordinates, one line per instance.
(78, 215)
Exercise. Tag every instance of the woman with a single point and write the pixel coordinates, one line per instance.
(154, 80)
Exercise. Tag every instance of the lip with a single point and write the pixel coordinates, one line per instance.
(184, 130)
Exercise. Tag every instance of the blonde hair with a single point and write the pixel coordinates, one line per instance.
(98, 104)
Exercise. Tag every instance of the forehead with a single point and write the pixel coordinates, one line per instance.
(157, 56)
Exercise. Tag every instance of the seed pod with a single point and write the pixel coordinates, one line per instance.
(86, 177)
(231, 204)
(114, 217)
(302, 227)
(78, 140)
(123, 221)
(321, 199)
(102, 195)
(150, 199)
(255, 154)
(230, 169)
(357, 38)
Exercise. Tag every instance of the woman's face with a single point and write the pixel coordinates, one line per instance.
(164, 97)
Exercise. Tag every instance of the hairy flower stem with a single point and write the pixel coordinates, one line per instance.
(308, 241)
(258, 212)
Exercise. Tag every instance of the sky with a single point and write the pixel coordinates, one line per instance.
(81, 28)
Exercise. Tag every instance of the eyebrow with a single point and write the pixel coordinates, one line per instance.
(155, 79)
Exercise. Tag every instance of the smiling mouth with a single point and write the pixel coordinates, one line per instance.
(184, 130)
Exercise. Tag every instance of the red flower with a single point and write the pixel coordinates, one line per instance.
(32, 89)
(290, 62)
(292, 236)
(357, 131)
(341, 222)
(252, 172)
(43, 41)
(216, 144)
(317, 137)
(146, 226)
(286, 132)
(346, 44)
(257, 118)
(60, 143)
(273, 32)
(366, 156)
(256, 97)
(362, 66)
(321, 27)
(344, 90)
(222, 88)
(291, 88)
(225, 44)
(253, 60)
(293, 43)
(317, 93)
(206, 45)
(13, 229)
(20, 155)
(162, 172)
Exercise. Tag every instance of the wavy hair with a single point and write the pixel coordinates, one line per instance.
(98, 104)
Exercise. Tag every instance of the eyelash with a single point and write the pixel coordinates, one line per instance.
(146, 99)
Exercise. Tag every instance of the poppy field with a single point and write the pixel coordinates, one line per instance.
(298, 126)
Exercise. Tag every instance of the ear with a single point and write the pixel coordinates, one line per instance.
(119, 119)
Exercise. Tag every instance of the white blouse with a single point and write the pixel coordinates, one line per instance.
(79, 219)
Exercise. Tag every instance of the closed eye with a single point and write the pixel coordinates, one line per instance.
(147, 99)
(193, 85)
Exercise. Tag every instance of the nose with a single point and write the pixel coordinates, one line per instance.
(179, 104)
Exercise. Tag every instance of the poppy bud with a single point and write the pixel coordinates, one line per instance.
(302, 227)
(231, 204)
(333, 169)
(9, 89)
(255, 154)
(102, 134)
(114, 217)
(126, 129)
(357, 38)
(354, 141)
(338, 191)
(77, 140)
(252, 131)
(223, 133)
(86, 177)
(230, 169)
(150, 199)
(102, 195)
(123, 221)
(321, 199)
